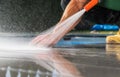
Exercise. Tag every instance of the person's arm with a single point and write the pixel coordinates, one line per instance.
(73, 7)
(76, 5)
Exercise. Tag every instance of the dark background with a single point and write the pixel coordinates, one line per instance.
(28, 15)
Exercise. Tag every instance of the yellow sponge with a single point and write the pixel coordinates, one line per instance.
(113, 38)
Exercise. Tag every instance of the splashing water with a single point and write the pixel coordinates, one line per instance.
(66, 26)
(43, 56)
(19, 50)
(63, 28)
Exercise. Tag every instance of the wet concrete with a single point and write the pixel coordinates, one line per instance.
(92, 61)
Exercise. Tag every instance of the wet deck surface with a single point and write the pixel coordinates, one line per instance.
(93, 58)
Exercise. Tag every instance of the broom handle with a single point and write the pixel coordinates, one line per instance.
(91, 4)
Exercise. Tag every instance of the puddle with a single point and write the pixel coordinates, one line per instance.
(93, 58)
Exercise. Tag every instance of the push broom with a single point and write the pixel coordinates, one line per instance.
(51, 38)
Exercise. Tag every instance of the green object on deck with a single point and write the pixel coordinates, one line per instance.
(111, 4)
